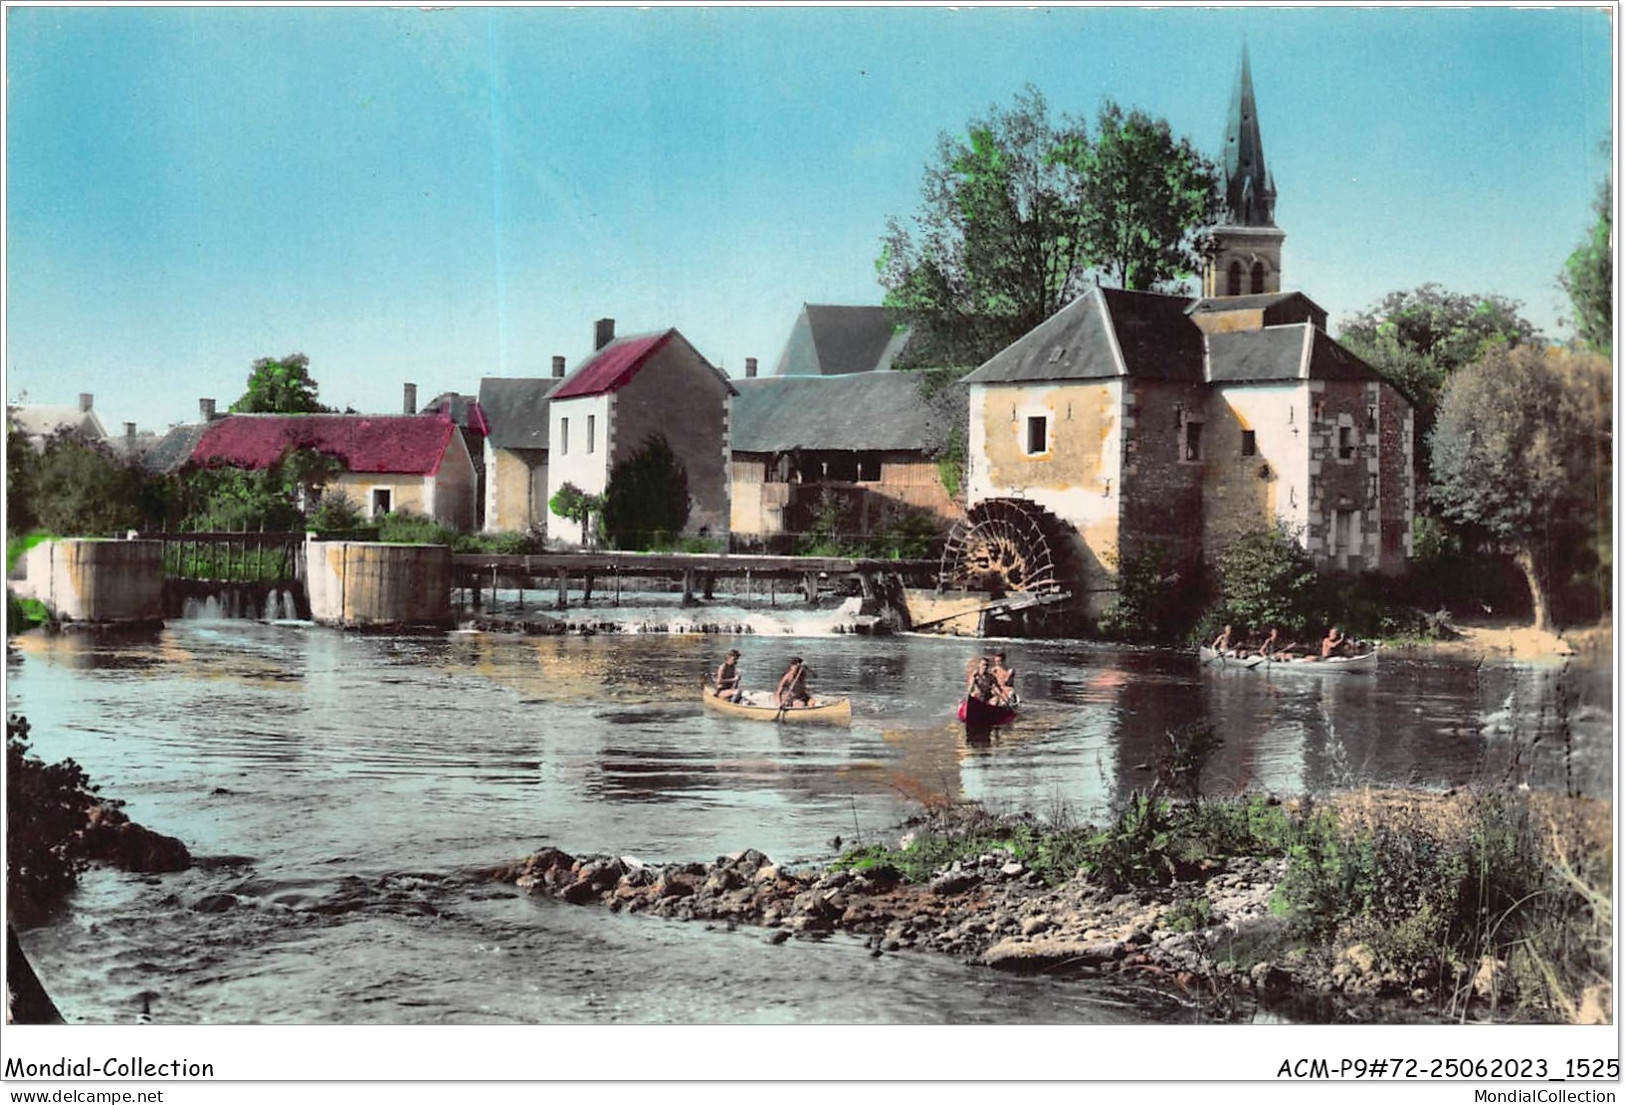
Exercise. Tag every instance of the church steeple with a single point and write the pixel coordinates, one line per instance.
(1249, 192)
(1247, 246)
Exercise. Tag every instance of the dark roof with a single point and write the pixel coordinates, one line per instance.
(1277, 308)
(1249, 188)
(1278, 353)
(1330, 361)
(462, 409)
(611, 367)
(171, 451)
(516, 411)
(1241, 302)
(1256, 355)
(1082, 341)
(411, 444)
(834, 341)
(869, 410)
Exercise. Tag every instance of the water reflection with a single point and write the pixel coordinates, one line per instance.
(364, 774)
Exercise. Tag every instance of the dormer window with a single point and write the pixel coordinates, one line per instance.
(1234, 285)
(1258, 277)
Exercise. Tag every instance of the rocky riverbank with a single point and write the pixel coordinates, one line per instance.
(1211, 940)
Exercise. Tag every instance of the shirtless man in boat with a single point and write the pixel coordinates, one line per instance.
(1006, 677)
(727, 677)
(1224, 642)
(982, 685)
(1334, 644)
(793, 689)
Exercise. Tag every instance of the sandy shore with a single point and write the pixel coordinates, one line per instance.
(1507, 640)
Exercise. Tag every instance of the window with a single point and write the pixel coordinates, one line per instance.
(1234, 287)
(1192, 450)
(381, 498)
(564, 436)
(592, 426)
(1249, 443)
(1345, 442)
(1037, 434)
(1258, 277)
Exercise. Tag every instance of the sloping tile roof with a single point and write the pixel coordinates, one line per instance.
(611, 367)
(1082, 341)
(829, 340)
(869, 410)
(516, 411)
(1330, 361)
(399, 444)
(174, 449)
(1278, 353)
(464, 410)
(1278, 308)
(1256, 355)
(37, 420)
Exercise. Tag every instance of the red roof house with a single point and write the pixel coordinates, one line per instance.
(416, 463)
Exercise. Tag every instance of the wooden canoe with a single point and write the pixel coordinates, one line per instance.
(758, 706)
(1364, 663)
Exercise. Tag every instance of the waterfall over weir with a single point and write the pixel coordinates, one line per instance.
(206, 601)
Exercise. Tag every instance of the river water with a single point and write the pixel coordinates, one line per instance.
(342, 791)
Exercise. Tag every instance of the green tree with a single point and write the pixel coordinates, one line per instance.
(1522, 448)
(574, 504)
(1017, 212)
(77, 488)
(1417, 338)
(280, 386)
(1146, 202)
(1588, 277)
(274, 498)
(1265, 580)
(646, 499)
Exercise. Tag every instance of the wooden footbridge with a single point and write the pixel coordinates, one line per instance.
(697, 575)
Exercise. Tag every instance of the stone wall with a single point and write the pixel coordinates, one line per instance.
(365, 585)
(85, 580)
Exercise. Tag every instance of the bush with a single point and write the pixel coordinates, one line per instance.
(1266, 579)
(401, 527)
(47, 806)
(646, 499)
(1155, 598)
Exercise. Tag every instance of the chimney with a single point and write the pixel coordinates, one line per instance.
(411, 398)
(558, 368)
(603, 332)
(87, 400)
(750, 368)
(129, 429)
(205, 407)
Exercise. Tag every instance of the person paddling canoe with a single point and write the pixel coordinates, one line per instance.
(793, 689)
(726, 680)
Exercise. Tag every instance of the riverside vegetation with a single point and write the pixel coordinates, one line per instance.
(1491, 903)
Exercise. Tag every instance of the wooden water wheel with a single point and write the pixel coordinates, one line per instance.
(1004, 546)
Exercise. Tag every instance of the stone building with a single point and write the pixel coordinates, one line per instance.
(626, 392)
(400, 463)
(857, 443)
(1130, 421)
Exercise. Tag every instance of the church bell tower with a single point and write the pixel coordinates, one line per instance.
(1246, 257)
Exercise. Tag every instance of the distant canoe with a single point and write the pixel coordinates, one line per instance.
(1364, 663)
(759, 706)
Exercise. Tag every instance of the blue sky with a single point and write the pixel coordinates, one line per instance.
(437, 196)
